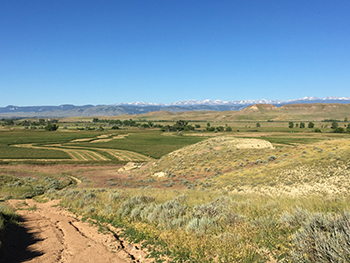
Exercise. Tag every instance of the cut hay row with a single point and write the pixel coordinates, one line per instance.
(127, 155)
(117, 154)
(71, 155)
(138, 156)
(86, 155)
(89, 154)
(79, 155)
(94, 156)
(99, 156)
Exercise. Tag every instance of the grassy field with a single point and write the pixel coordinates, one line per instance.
(222, 204)
(125, 145)
(199, 196)
(93, 146)
(149, 143)
(9, 140)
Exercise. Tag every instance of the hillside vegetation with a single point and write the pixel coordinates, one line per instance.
(258, 112)
(255, 193)
(232, 200)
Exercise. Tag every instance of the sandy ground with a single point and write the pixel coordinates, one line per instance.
(52, 234)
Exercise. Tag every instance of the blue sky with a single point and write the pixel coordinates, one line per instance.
(113, 51)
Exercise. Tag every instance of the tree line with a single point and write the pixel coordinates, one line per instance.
(334, 126)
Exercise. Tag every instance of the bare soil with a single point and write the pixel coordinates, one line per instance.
(49, 233)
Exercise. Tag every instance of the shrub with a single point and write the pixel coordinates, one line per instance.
(272, 158)
(310, 125)
(201, 226)
(323, 238)
(295, 219)
(7, 217)
(339, 130)
(133, 202)
(51, 127)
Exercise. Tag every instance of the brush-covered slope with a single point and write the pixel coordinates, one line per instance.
(249, 166)
(294, 112)
(258, 112)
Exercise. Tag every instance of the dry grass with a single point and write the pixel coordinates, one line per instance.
(224, 201)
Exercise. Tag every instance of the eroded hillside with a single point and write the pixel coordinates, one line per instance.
(254, 165)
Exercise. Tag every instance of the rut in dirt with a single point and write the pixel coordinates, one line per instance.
(50, 234)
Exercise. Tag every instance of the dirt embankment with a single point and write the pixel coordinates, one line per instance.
(51, 234)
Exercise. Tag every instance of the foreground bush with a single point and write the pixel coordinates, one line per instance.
(322, 238)
(7, 217)
(225, 228)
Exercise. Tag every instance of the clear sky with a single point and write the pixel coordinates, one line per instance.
(111, 51)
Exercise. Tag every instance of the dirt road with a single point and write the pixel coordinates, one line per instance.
(49, 233)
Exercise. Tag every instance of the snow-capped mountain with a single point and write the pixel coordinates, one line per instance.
(144, 107)
(208, 102)
(139, 103)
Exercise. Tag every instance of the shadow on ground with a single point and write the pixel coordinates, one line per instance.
(15, 242)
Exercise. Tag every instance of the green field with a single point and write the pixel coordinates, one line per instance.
(134, 144)
(137, 145)
(8, 140)
(149, 143)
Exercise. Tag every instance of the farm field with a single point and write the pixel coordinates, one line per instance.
(131, 145)
(270, 195)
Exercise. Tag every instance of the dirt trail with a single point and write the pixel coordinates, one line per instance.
(52, 234)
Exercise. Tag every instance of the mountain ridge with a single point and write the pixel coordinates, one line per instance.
(69, 110)
(192, 102)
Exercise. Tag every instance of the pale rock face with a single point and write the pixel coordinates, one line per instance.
(129, 166)
(160, 174)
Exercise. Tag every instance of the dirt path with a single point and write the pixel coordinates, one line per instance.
(49, 233)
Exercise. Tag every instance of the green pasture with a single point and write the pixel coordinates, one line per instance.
(10, 138)
(147, 142)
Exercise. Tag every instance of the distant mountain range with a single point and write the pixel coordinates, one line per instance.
(69, 110)
(244, 103)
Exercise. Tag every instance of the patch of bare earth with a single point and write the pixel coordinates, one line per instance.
(52, 234)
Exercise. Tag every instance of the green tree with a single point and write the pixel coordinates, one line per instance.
(291, 124)
(228, 129)
(95, 120)
(334, 125)
(310, 125)
(339, 130)
(51, 127)
(257, 124)
(346, 119)
(208, 124)
(181, 123)
(348, 128)
(145, 125)
(210, 128)
(302, 125)
(8, 122)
